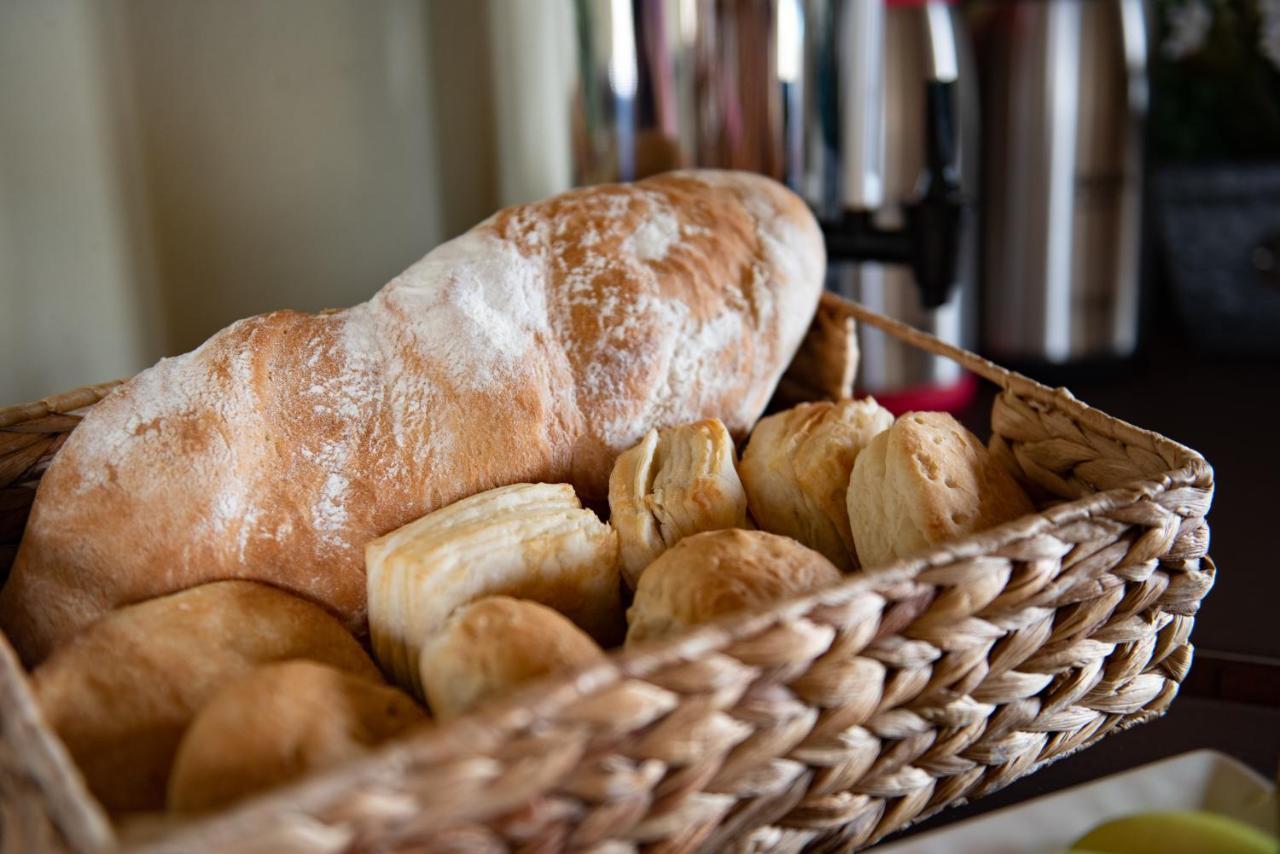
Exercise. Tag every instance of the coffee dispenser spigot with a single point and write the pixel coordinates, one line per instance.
(861, 106)
(929, 240)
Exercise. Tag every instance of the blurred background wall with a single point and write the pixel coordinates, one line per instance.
(168, 166)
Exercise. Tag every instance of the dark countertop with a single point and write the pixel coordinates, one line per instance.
(1223, 409)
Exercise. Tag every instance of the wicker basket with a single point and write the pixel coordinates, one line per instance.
(826, 722)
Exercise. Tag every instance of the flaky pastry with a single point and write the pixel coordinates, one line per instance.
(674, 483)
(531, 541)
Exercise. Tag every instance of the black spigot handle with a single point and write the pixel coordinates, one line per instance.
(930, 241)
(940, 131)
(936, 218)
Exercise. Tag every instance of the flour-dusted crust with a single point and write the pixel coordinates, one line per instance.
(535, 347)
(925, 480)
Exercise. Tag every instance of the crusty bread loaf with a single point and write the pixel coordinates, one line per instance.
(281, 722)
(121, 693)
(529, 540)
(796, 472)
(674, 483)
(925, 480)
(536, 347)
(718, 573)
(494, 644)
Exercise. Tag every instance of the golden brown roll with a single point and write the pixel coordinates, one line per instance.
(494, 644)
(121, 693)
(796, 472)
(278, 723)
(531, 541)
(925, 480)
(826, 363)
(718, 573)
(674, 483)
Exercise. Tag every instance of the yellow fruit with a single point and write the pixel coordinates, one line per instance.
(1185, 832)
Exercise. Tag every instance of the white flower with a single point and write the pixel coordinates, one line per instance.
(1269, 31)
(1189, 25)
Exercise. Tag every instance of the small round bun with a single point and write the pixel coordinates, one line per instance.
(121, 693)
(718, 573)
(279, 723)
(796, 472)
(494, 644)
(923, 481)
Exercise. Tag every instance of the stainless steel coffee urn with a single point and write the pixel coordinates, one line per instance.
(1064, 98)
(924, 43)
(852, 103)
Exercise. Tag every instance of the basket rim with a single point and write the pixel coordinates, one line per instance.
(468, 735)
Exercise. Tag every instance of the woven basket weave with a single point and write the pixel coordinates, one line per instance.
(825, 722)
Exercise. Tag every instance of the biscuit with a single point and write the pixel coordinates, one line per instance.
(925, 480)
(796, 472)
(494, 644)
(718, 573)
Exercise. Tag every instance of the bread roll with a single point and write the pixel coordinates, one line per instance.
(796, 472)
(826, 363)
(278, 723)
(925, 480)
(121, 694)
(536, 347)
(718, 573)
(494, 644)
(532, 541)
(676, 482)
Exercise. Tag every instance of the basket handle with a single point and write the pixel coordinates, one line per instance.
(847, 308)
(1191, 466)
